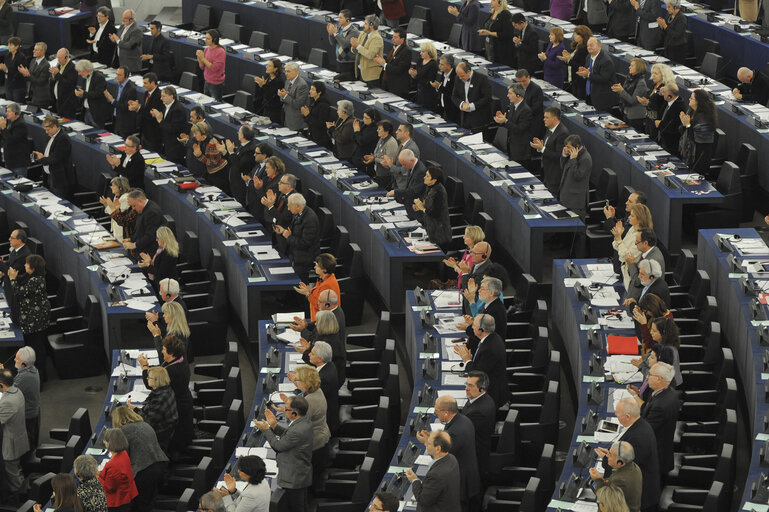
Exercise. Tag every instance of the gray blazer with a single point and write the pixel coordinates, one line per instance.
(388, 148)
(143, 447)
(596, 12)
(292, 104)
(15, 441)
(129, 47)
(399, 174)
(341, 42)
(632, 270)
(575, 181)
(28, 381)
(293, 444)
(254, 498)
(317, 413)
(629, 100)
(40, 83)
(649, 38)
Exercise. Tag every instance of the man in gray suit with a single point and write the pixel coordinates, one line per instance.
(576, 164)
(400, 174)
(15, 442)
(646, 242)
(129, 43)
(39, 76)
(294, 97)
(293, 444)
(439, 492)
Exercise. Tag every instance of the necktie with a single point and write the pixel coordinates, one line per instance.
(146, 97)
(587, 88)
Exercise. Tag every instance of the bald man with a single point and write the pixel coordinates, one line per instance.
(439, 491)
(129, 42)
(751, 87)
(64, 78)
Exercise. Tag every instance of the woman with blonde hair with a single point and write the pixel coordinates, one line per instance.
(640, 217)
(162, 264)
(654, 102)
(497, 32)
(610, 498)
(159, 409)
(176, 324)
(473, 235)
(326, 329)
(426, 72)
(123, 217)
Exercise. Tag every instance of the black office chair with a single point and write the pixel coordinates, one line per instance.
(455, 35)
(259, 40)
(289, 48)
(712, 66)
(228, 18)
(190, 81)
(319, 57)
(232, 31)
(747, 161)
(418, 27)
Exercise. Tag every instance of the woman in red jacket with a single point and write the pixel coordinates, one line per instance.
(117, 477)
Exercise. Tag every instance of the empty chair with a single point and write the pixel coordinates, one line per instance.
(418, 27)
(454, 35)
(259, 40)
(712, 66)
(289, 48)
(202, 19)
(244, 100)
(228, 18)
(747, 161)
(729, 212)
(319, 57)
(232, 31)
(190, 81)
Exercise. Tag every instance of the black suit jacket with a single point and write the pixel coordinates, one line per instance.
(304, 242)
(97, 104)
(329, 384)
(601, 79)
(162, 59)
(492, 359)
(106, 53)
(64, 84)
(528, 50)
(668, 133)
(462, 433)
(125, 120)
(134, 171)
(661, 412)
(16, 259)
(174, 123)
(59, 162)
(483, 414)
(395, 77)
(641, 436)
(240, 163)
(415, 187)
(535, 99)
(39, 83)
(439, 490)
(497, 310)
(659, 288)
(479, 94)
(163, 267)
(450, 109)
(520, 122)
(147, 224)
(150, 128)
(253, 196)
(551, 157)
(15, 144)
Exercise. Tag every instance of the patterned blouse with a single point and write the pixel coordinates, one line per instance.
(32, 301)
(91, 495)
(160, 409)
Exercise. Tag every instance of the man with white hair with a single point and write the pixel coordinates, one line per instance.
(751, 86)
(488, 293)
(303, 236)
(27, 379)
(328, 300)
(652, 280)
(169, 292)
(321, 357)
(294, 97)
(661, 411)
(129, 42)
(91, 90)
(626, 474)
(415, 182)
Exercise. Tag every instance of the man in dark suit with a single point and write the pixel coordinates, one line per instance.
(303, 236)
(131, 163)
(126, 121)
(440, 490)
(576, 166)
(56, 159)
(646, 242)
(462, 433)
(256, 175)
(472, 95)
(751, 87)
(482, 411)
(91, 89)
(519, 122)
(652, 280)
(276, 212)
(641, 436)
(534, 98)
(150, 128)
(321, 357)
(172, 119)
(15, 144)
(64, 81)
(399, 174)
(526, 44)
(39, 76)
(160, 58)
(415, 184)
(102, 47)
(327, 301)
(445, 83)
(661, 411)
(490, 357)
(649, 34)
(599, 73)
(488, 292)
(241, 160)
(395, 77)
(293, 444)
(148, 220)
(17, 256)
(668, 134)
(551, 148)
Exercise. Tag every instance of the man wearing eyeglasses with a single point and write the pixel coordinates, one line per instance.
(293, 444)
(661, 411)
(384, 502)
(646, 243)
(17, 256)
(131, 163)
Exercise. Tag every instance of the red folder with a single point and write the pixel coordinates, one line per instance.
(622, 345)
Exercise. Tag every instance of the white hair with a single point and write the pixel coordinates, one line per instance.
(292, 66)
(27, 355)
(324, 351)
(170, 285)
(652, 267)
(664, 371)
(297, 200)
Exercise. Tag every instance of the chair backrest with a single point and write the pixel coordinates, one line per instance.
(80, 424)
(700, 286)
(418, 27)
(67, 294)
(747, 159)
(218, 291)
(40, 489)
(325, 222)
(187, 501)
(500, 139)
(289, 48)
(259, 40)
(92, 313)
(686, 264)
(233, 386)
(365, 484)
(608, 186)
(473, 205)
(454, 191)
(247, 83)
(509, 437)
(717, 499)
(319, 57)
(339, 238)
(190, 81)
(728, 182)
(244, 99)
(314, 198)
(454, 35)
(421, 12)
(26, 31)
(228, 18)
(711, 65)
(191, 248)
(232, 31)
(527, 291)
(202, 18)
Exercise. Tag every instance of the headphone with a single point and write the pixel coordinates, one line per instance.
(486, 254)
(620, 459)
(481, 388)
(327, 303)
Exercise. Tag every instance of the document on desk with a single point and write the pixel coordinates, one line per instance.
(605, 297)
(446, 299)
(584, 506)
(452, 379)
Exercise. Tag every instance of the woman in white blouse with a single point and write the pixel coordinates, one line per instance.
(640, 217)
(254, 496)
(120, 188)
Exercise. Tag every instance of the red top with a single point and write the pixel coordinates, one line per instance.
(327, 284)
(646, 336)
(117, 478)
(217, 56)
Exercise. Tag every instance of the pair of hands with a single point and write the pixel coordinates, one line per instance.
(284, 232)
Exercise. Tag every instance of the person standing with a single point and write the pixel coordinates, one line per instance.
(38, 76)
(160, 58)
(212, 61)
(303, 236)
(339, 37)
(102, 47)
(598, 71)
(498, 34)
(125, 120)
(554, 68)
(294, 96)
(365, 48)
(27, 380)
(468, 15)
(15, 442)
(97, 109)
(117, 477)
(395, 67)
(576, 165)
(13, 131)
(15, 85)
(64, 80)
(519, 124)
(551, 148)
(129, 42)
(440, 489)
(472, 95)
(172, 120)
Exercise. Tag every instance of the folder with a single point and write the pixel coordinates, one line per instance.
(622, 344)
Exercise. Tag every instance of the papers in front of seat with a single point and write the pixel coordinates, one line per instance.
(243, 451)
(476, 138)
(286, 318)
(605, 297)
(446, 299)
(290, 336)
(127, 369)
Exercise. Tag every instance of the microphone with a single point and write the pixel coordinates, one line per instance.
(122, 384)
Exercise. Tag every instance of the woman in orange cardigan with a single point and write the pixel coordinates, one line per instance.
(324, 266)
(117, 477)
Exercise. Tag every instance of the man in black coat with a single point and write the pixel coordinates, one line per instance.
(15, 142)
(101, 46)
(148, 220)
(481, 410)
(131, 163)
(276, 212)
(160, 57)
(490, 357)
(526, 44)
(489, 291)
(445, 83)
(661, 411)
(415, 183)
(519, 122)
(125, 120)
(256, 174)
(535, 99)
(56, 159)
(395, 74)
(90, 90)
(641, 435)
(172, 119)
(652, 280)
(150, 128)
(64, 80)
(17, 256)
(241, 160)
(440, 489)
(472, 95)
(551, 148)
(599, 72)
(321, 356)
(669, 121)
(303, 236)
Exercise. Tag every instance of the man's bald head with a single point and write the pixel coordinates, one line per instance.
(744, 75)
(447, 403)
